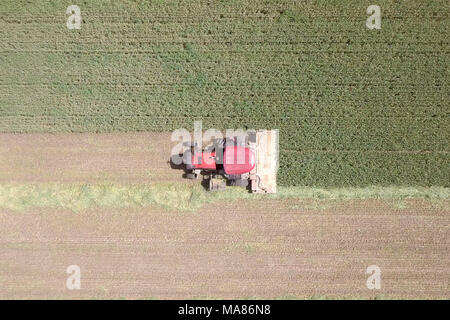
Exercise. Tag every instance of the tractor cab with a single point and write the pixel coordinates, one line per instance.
(237, 162)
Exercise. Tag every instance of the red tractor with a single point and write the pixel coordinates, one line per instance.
(226, 159)
(252, 157)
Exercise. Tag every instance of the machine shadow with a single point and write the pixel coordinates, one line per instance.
(182, 167)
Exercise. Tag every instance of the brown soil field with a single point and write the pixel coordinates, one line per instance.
(81, 157)
(243, 249)
(273, 249)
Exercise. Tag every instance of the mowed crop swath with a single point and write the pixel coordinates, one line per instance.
(354, 106)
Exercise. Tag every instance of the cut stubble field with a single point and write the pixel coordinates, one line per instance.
(254, 249)
(231, 246)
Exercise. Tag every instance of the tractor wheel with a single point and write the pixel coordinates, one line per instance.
(240, 183)
(191, 176)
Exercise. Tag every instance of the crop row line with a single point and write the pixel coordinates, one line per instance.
(170, 117)
(285, 89)
(117, 29)
(113, 102)
(272, 103)
(122, 16)
(248, 28)
(155, 52)
(112, 24)
(75, 102)
(275, 118)
(206, 17)
(224, 85)
(136, 15)
(224, 47)
(202, 41)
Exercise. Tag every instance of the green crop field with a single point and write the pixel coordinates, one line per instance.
(355, 107)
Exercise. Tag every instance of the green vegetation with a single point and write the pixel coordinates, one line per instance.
(185, 197)
(355, 107)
